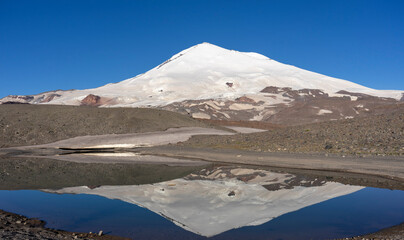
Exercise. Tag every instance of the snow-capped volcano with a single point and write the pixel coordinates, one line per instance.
(206, 71)
(209, 72)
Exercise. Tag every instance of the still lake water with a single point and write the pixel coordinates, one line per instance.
(225, 202)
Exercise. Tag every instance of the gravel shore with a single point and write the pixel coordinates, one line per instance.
(391, 233)
(387, 167)
(18, 227)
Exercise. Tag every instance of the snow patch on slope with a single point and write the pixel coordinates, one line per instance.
(323, 111)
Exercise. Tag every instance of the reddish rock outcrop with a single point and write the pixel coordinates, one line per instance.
(91, 100)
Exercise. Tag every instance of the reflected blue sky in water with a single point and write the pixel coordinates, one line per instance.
(364, 211)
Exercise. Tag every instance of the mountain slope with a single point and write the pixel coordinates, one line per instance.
(202, 71)
(207, 72)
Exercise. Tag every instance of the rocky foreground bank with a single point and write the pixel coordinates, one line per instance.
(392, 233)
(16, 227)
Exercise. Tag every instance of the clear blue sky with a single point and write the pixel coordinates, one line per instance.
(67, 44)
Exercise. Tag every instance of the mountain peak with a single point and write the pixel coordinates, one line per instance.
(205, 48)
(207, 71)
(205, 43)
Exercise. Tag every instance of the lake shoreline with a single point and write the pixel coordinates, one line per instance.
(15, 226)
(394, 232)
(373, 171)
(384, 168)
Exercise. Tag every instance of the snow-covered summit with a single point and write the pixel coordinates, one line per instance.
(206, 71)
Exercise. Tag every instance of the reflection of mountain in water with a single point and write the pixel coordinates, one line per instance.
(214, 201)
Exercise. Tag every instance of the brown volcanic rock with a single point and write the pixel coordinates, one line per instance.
(44, 97)
(91, 100)
(16, 227)
(23, 98)
(285, 106)
(311, 110)
(229, 84)
(359, 95)
(15, 103)
(50, 98)
(270, 89)
(247, 124)
(395, 232)
(245, 99)
(16, 99)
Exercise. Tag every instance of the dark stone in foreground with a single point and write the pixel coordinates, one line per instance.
(395, 232)
(14, 226)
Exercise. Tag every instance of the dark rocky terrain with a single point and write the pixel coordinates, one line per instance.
(25, 124)
(248, 124)
(285, 106)
(392, 233)
(18, 227)
(374, 135)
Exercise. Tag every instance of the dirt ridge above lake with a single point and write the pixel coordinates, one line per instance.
(374, 135)
(24, 124)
